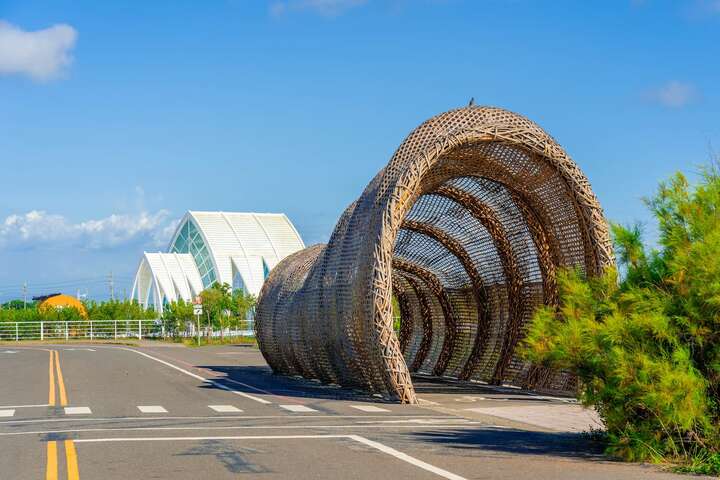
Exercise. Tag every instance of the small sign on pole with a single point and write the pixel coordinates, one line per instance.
(197, 311)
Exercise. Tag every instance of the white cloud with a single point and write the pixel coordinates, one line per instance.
(329, 8)
(39, 228)
(41, 55)
(673, 94)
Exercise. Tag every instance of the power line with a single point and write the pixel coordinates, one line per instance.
(61, 283)
(112, 286)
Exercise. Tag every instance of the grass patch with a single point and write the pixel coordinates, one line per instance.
(705, 463)
(204, 342)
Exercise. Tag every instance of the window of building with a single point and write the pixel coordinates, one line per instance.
(190, 241)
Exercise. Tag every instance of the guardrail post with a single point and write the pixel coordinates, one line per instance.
(67, 332)
(42, 333)
(115, 327)
(91, 331)
(17, 332)
(139, 329)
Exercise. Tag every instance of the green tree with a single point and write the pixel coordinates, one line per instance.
(645, 348)
(18, 304)
(243, 307)
(217, 301)
(176, 316)
(118, 310)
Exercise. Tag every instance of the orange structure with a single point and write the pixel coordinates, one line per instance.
(63, 301)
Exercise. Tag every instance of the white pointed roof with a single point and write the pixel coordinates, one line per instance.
(170, 276)
(245, 240)
(244, 244)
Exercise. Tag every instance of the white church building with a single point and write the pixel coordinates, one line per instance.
(235, 248)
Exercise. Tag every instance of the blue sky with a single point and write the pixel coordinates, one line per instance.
(115, 119)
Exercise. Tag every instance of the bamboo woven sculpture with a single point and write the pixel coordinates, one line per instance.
(466, 226)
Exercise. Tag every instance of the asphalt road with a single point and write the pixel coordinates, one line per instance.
(167, 412)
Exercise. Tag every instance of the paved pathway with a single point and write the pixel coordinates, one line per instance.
(118, 412)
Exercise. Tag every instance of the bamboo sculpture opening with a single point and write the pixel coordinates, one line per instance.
(466, 228)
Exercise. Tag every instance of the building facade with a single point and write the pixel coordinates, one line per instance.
(235, 248)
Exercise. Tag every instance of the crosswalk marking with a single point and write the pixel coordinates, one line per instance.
(77, 411)
(151, 409)
(225, 408)
(369, 408)
(297, 408)
(7, 413)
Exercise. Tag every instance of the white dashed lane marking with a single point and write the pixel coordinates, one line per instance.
(151, 409)
(7, 413)
(77, 411)
(369, 408)
(297, 408)
(225, 408)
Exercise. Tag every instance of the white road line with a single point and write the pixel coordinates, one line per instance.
(9, 351)
(407, 458)
(357, 438)
(7, 413)
(420, 421)
(369, 408)
(256, 417)
(230, 380)
(297, 408)
(24, 406)
(252, 427)
(198, 377)
(225, 408)
(191, 439)
(77, 411)
(152, 409)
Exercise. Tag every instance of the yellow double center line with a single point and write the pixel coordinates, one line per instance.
(51, 471)
(55, 366)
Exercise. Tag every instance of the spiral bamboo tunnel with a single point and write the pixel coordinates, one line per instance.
(466, 227)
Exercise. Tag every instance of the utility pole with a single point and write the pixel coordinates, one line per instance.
(25, 295)
(112, 286)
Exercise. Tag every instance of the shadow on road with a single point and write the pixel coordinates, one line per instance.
(265, 381)
(254, 379)
(428, 385)
(517, 441)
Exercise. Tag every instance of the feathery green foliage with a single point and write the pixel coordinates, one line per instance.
(646, 347)
(110, 310)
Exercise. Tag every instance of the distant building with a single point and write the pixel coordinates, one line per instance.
(58, 301)
(239, 249)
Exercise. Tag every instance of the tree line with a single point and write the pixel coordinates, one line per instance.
(223, 309)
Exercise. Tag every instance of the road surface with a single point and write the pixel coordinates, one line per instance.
(161, 411)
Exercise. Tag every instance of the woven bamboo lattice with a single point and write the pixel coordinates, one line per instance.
(466, 226)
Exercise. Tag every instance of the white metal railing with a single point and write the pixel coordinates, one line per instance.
(106, 330)
(85, 329)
